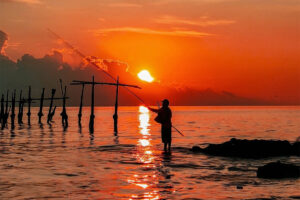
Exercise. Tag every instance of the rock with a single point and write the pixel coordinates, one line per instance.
(251, 148)
(278, 170)
(239, 187)
(196, 149)
(296, 148)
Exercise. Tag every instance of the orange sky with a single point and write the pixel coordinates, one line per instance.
(248, 47)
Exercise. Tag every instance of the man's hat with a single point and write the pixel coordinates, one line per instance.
(165, 101)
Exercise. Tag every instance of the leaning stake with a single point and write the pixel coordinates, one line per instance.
(50, 107)
(80, 106)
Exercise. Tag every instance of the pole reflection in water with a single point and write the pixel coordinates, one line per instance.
(146, 178)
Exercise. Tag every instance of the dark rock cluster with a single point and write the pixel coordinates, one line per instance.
(278, 170)
(251, 148)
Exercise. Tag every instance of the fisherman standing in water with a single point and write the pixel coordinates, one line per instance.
(164, 116)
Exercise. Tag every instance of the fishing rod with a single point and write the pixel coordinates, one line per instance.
(98, 67)
(92, 63)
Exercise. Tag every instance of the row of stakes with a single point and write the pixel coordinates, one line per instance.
(7, 110)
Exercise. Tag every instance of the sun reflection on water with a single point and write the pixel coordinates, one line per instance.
(143, 109)
(147, 179)
(144, 142)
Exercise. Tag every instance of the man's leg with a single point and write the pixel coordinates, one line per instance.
(165, 146)
(169, 146)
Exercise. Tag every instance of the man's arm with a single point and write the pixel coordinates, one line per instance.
(153, 110)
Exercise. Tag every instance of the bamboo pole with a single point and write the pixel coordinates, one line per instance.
(80, 106)
(93, 83)
(64, 116)
(50, 115)
(13, 106)
(115, 116)
(6, 105)
(20, 113)
(29, 105)
(92, 116)
(76, 82)
(40, 114)
(6, 112)
(2, 108)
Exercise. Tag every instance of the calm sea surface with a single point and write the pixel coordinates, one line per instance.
(48, 162)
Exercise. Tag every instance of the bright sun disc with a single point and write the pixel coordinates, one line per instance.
(145, 76)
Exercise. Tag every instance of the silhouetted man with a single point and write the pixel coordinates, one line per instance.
(164, 118)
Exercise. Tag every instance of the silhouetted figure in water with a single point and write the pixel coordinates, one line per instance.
(164, 118)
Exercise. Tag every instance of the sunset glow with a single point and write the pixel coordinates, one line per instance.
(149, 99)
(145, 76)
(223, 45)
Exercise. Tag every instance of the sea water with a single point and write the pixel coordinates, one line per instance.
(50, 162)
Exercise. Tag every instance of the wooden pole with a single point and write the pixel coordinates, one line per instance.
(6, 113)
(52, 113)
(61, 87)
(50, 107)
(115, 116)
(40, 114)
(23, 102)
(80, 106)
(29, 105)
(2, 108)
(76, 82)
(64, 116)
(20, 113)
(93, 83)
(6, 105)
(92, 116)
(13, 106)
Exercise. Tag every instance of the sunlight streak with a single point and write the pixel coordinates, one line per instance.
(144, 142)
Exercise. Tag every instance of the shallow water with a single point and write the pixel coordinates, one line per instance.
(48, 162)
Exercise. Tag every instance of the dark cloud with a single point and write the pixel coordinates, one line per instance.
(3, 40)
(45, 72)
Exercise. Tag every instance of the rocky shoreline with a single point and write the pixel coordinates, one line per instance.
(258, 149)
(253, 149)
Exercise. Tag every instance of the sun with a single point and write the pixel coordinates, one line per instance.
(145, 76)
